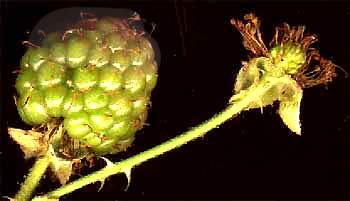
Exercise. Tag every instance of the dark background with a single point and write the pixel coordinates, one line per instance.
(253, 156)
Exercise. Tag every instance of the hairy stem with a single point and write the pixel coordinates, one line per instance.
(122, 166)
(33, 178)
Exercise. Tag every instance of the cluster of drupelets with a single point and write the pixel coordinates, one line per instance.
(97, 77)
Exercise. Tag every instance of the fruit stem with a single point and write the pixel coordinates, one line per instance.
(251, 95)
(33, 178)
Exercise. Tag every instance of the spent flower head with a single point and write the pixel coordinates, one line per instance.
(290, 65)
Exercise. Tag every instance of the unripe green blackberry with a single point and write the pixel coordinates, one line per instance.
(97, 78)
(50, 74)
(54, 97)
(289, 57)
(31, 107)
(26, 81)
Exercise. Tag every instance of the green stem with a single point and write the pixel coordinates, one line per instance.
(233, 109)
(33, 178)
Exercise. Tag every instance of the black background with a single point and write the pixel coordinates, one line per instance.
(253, 156)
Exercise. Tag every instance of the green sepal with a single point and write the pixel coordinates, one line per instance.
(289, 107)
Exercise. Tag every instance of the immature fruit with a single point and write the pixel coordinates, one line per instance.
(26, 81)
(50, 74)
(288, 57)
(31, 108)
(54, 97)
(97, 78)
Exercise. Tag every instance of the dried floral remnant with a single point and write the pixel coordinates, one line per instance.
(288, 66)
(316, 69)
(252, 40)
(290, 49)
(320, 73)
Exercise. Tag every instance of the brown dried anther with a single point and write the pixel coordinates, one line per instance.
(320, 73)
(316, 69)
(252, 40)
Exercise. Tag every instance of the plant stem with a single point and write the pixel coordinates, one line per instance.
(251, 95)
(33, 178)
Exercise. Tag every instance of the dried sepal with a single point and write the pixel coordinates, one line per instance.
(32, 143)
(61, 168)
